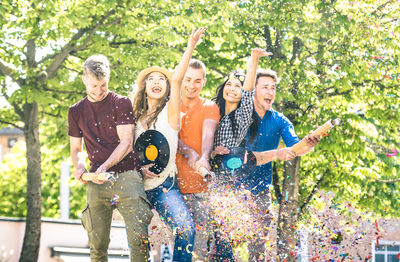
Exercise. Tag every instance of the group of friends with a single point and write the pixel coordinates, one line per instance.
(199, 133)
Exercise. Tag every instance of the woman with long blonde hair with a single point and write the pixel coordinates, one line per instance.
(156, 106)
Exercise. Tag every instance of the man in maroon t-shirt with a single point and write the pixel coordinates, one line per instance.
(106, 122)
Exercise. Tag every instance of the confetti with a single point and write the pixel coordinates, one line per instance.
(394, 153)
(114, 200)
(337, 237)
(324, 135)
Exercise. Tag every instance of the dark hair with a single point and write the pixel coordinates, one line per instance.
(253, 129)
(220, 101)
(197, 64)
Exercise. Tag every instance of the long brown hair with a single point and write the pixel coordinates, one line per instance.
(141, 107)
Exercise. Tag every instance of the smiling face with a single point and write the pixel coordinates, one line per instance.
(96, 89)
(264, 94)
(156, 85)
(232, 93)
(193, 83)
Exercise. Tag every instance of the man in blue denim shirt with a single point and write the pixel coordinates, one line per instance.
(265, 134)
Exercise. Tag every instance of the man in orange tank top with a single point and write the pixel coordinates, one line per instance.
(199, 122)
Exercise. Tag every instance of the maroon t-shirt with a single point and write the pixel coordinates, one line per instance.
(97, 123)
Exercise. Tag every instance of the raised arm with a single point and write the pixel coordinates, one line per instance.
(249, 81)
(286, 153)
(174, 105)
(310, 142)
(283, 154)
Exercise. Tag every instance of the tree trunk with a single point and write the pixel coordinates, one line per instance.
(30, 248)
(289, 212)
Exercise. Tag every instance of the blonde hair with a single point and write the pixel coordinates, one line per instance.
(98, 66)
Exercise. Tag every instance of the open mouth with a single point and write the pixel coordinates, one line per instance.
(268, 100)
(231, 95)
(156, 89)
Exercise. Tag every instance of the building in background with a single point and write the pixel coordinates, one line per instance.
(8, 137)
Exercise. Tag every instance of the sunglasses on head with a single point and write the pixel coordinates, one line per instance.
(238, 76)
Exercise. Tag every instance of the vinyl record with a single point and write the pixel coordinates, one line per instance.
(153, 148)
(239, 159)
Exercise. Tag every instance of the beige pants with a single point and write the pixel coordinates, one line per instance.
(132, 205)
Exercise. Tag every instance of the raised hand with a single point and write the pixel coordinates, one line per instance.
(256, 53)
(196, 36)
(252, 64)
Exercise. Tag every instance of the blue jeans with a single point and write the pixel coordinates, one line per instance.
(223, 249)
(168, 202)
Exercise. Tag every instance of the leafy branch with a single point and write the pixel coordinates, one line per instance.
(12, 124)
(71, 47)
(315, 188)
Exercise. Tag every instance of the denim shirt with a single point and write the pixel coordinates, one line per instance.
(271, 128)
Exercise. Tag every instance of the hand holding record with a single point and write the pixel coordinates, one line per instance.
(153, 149)
(147, 173)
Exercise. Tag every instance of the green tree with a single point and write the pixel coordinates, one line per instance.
(322, 50)
(13, 180)
(337, 59)
(39, 40)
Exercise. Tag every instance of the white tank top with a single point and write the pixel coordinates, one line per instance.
(162, 126)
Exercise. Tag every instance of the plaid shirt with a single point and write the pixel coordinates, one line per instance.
(224, 135)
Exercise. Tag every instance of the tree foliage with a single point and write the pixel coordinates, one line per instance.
(337, 59)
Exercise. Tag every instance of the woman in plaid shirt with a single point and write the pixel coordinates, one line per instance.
(235, 101)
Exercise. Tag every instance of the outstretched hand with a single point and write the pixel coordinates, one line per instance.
(196, 36)
(256, 53)
(285, 154)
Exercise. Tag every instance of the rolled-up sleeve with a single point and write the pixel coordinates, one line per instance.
(287, 132)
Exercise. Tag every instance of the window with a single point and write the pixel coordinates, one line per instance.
(12, 141)
(388, 251)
